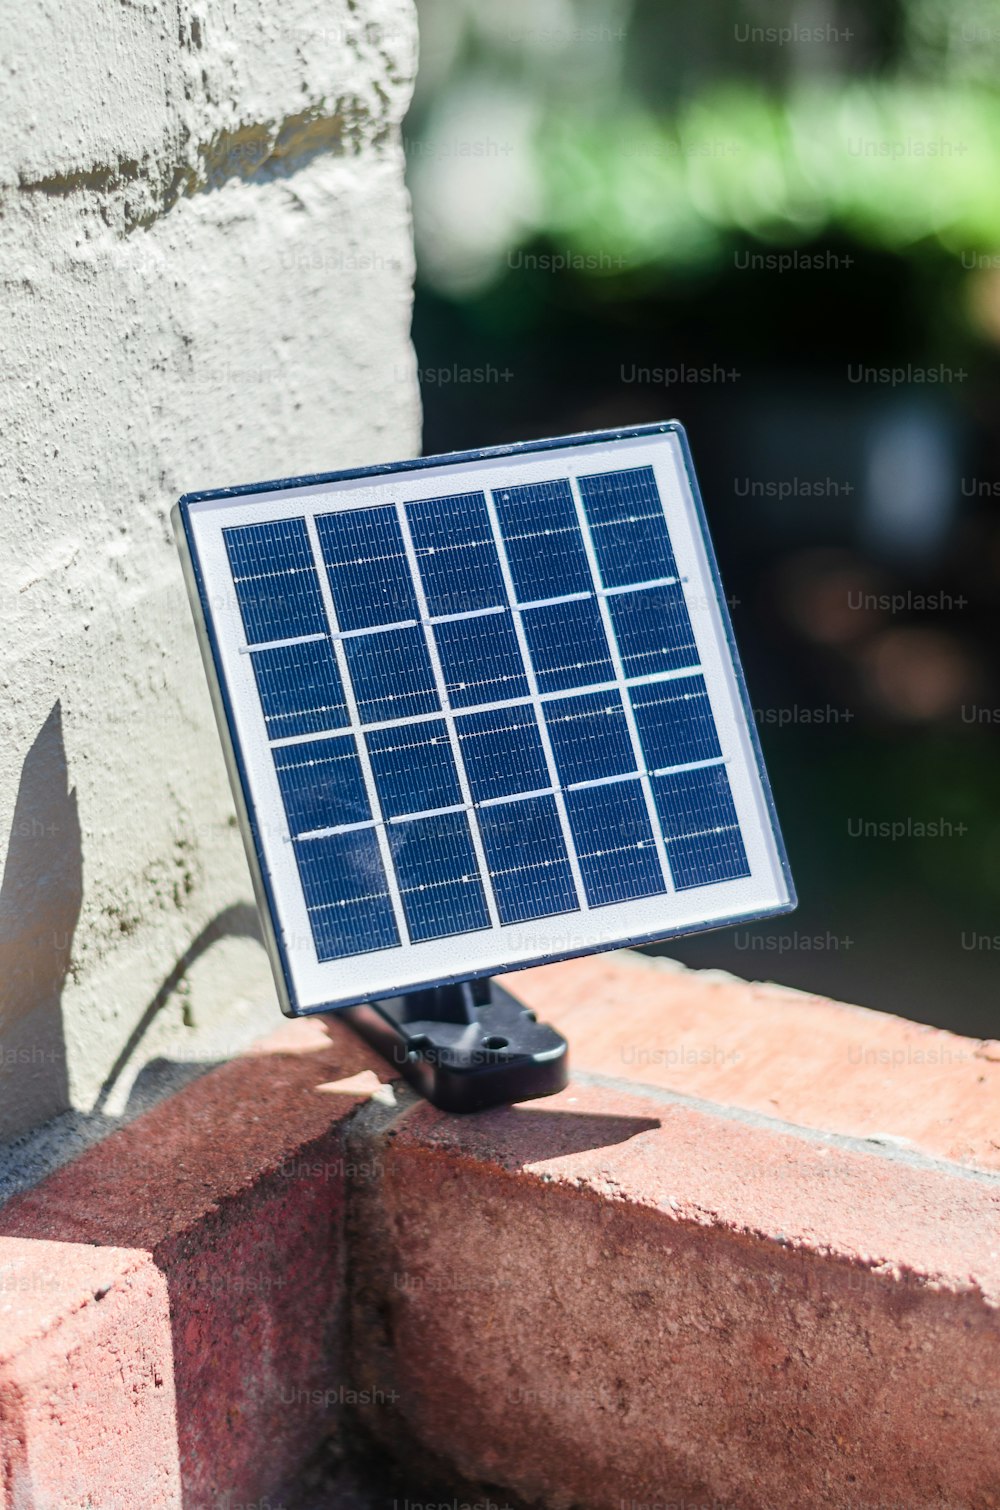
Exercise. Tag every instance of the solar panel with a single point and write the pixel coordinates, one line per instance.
(482, 710)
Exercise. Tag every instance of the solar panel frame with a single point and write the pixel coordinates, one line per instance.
(307, 983)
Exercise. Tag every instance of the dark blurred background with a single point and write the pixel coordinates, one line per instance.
(779, 224)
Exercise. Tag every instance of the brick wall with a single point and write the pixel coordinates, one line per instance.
(758, 1279)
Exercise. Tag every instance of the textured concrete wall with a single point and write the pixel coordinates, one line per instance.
(205, 274)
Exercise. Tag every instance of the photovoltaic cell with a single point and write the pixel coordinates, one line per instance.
(590, 737)
(675, 722)
(456, 553)
(275, 579)
(300, 689)
(654, 630)
(321, 784)
(392, 675)
(343, 880)
(568, 645)
(614, 842)
(438, 876)
(504, 716)
(414, 768)
(366, 563)
(481, 660)
(627, 526)
(700, 826)
(503, 753)
(528, 863)
(542, 537)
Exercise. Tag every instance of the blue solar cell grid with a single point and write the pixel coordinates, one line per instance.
(484, 708)
(367, 568)
(700, 826)
(277, 585)
(456, 553)
(675, 722)
(527, 858)
(322, 784)
(590, 737)
(543, 541)
(653, 630)
(439, 880)
(392, 675)
(348, 900)
(300, 688)
(480, 660)
(503, 753)
(614, 842)
(414, 768)
(568, 645)
(627, 526)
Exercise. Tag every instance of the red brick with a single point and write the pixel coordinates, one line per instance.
(801, 1058)
(608, 1297)
(87, 1409)
(235, 1187)
(613, 1295)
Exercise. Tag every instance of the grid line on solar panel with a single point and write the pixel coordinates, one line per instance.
(560, 598)
(290, 641)
(431, 812)
(505, 798)
(284, 644)
(473, 613)
(449, 717)
(542, 699)
(373, 629)
(536, 791)
(650, 582)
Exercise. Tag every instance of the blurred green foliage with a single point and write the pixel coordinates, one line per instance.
(891, 165)
(639, 135)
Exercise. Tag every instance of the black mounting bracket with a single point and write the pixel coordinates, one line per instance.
(465, 1047)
